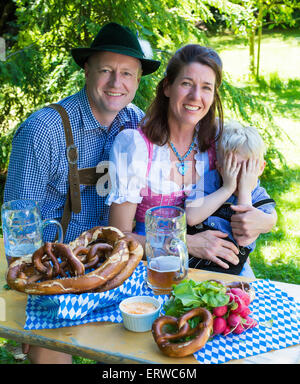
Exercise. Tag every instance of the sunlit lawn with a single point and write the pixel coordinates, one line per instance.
(279, 53)
(277, 255)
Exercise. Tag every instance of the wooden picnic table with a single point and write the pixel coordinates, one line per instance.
(110, 342)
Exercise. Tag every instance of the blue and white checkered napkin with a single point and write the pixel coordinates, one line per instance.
(278, 318)
(56, 311)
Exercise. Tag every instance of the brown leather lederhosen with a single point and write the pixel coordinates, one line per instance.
(76, 177)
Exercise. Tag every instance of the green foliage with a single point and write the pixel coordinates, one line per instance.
(253, 15)
(247, 107)
(190, 294)
(9, 349)
(5, 148)
(40, 70)
(6, 357)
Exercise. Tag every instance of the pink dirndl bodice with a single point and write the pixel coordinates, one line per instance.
(151, 199)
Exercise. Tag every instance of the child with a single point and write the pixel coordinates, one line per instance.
(240, 161)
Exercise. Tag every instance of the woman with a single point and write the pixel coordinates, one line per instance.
(160, 163)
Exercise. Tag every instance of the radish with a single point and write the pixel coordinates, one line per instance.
(220, 311)
(227, 331)
(244, 312)
(231, 297)
(233, 320)
(219, 325)
(241, 294)
(240, 306)
(246, 298)
(238, 329)
(249, 322)
(237, 291)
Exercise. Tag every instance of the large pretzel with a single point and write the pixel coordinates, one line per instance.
(60, 268)
(169, 343)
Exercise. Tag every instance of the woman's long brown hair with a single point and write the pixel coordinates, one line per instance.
(155, 123)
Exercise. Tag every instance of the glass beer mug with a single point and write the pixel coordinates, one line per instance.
(23, 228)
(166, 250)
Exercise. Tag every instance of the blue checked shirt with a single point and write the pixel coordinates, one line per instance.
(38, 167)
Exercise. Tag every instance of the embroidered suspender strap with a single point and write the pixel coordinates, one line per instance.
(66, 217)
(72, 157)
(73, 202)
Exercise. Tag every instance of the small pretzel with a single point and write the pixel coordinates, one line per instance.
(52, 252)
(200, 334)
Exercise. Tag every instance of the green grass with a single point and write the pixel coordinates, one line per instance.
(277, 255)
(279, 54)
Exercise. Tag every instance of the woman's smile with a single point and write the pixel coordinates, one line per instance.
(190, 95)
(191, 107)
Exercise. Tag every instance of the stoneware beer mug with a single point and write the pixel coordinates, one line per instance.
(166, 250)
(23, 228)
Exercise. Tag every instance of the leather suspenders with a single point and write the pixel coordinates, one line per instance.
(76, 177)
(73, 202)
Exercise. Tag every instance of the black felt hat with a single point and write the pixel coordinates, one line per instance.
(113, 37)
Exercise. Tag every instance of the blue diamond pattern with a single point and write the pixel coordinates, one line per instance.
(270, 303)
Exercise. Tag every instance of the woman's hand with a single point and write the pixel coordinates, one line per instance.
(210, 245)
(249, 222)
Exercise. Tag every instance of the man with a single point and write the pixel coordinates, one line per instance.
(47, 158)
(38, 167)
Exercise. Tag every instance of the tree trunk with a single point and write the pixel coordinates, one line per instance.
(259, 25)
(251, 38)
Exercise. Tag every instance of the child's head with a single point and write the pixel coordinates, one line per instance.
(245, 142)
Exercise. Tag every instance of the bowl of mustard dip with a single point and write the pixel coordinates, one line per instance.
(139, 312)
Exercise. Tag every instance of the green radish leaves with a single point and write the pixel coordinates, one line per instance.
(190, 294)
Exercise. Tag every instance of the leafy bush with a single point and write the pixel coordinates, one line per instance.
(39, 68)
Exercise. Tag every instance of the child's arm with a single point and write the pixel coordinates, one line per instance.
(200, 209)
(248, 181)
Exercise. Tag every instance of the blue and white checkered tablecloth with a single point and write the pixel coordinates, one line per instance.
(277, 315)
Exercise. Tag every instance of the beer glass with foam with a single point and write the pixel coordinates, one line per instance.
(166, 250)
